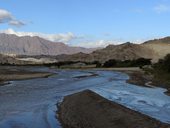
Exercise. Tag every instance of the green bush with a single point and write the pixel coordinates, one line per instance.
(163, 64)
(127, 63)
(110, 63)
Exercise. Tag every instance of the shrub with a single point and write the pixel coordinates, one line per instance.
(163, 64)
(110, 63)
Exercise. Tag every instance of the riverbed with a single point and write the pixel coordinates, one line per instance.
(32, 103)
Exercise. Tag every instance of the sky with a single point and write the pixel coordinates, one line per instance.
(87, 23)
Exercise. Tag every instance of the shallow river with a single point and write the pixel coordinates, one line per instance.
(32, 103)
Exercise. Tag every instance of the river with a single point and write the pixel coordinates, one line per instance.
(32, 103)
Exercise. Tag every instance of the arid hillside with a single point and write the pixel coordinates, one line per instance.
(153, 49)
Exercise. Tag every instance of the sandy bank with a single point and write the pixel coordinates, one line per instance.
(7, 77)
(10, 74)
(89, 110)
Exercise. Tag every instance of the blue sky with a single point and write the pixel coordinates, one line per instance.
(89, 23)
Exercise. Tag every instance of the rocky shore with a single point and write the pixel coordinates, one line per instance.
(139, 77)
(89, 110)
(142, 79)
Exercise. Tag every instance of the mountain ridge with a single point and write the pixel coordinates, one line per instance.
(152, 49)
(32, 46)
(27, 45)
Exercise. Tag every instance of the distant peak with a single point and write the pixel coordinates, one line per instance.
(128, 43)
(110, 46)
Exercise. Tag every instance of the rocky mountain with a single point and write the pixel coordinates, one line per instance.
(153, 49)
(12, 44)
(126, 51)
(31, 46)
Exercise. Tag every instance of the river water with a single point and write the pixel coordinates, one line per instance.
(32, 103)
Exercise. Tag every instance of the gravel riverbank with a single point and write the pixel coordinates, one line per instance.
(89, 110)
(11, 73)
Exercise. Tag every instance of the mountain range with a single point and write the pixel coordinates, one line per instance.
(36, 46)
(152, 49)
(26, 45)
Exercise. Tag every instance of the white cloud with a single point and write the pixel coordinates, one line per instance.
(62, 37)
(71, 39)
(97, 44)
(104, 43)
(162, 8)
(7, 17)
(16, 23)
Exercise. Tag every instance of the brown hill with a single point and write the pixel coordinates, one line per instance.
(153, 49)
(127, 51)
(161, 47)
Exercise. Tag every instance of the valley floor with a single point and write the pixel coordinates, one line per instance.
(37, 97)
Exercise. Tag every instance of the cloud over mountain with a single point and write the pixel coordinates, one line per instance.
(71, 39)
(97, 44)
(61, 37)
